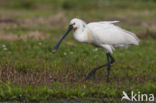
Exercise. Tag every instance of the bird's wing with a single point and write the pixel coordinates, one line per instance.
(108, 33)
(111, 22)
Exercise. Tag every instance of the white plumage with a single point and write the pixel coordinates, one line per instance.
(103, 34)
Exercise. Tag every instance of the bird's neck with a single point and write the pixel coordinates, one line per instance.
(80, 35)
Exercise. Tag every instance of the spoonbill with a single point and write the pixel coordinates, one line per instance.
(103, 34)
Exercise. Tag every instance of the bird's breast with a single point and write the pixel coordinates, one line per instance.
(89, 37)
(82, 36)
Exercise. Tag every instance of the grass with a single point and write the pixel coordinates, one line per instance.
(38, 71)
(30, 72)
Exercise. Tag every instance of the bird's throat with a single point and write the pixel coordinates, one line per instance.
(74, 29)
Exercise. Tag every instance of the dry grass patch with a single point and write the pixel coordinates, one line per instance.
(36, 35)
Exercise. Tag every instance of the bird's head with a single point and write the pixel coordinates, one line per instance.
(75, 24)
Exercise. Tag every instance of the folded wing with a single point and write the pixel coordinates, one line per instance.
(108, 33)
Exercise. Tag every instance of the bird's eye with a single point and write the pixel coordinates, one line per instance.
(73, 23)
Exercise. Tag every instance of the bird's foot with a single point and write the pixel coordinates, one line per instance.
(90, 74)
(107, 80)
(54, 50)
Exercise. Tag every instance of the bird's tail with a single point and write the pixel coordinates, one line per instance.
(133, 39)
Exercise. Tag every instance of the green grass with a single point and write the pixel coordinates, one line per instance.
(30, 72)
(60, 75)
(80, 4)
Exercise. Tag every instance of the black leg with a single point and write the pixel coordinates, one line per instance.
(93, 71)
(112, 59)
(108, 66)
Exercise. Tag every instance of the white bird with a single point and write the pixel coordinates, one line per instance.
(103, 34)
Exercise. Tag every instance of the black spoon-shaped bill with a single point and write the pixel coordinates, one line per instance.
(58, 44)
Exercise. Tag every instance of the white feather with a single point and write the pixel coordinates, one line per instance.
(104, 34)
(111, 22)
(109, 34)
